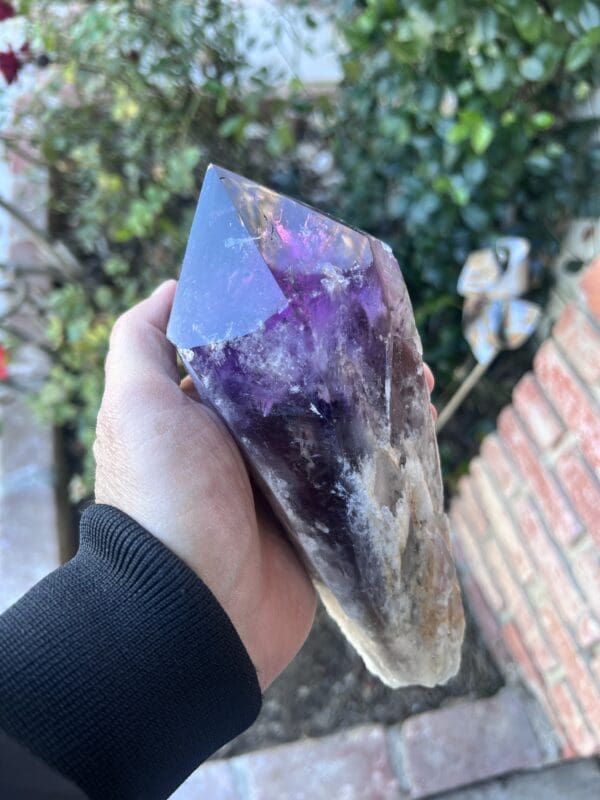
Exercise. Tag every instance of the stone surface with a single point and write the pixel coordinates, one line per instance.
(371, 762)
(299, 331)
(466, 743)
(31, 520)
(30, 525)
(579, 780)
(352, 765)
(212, 781)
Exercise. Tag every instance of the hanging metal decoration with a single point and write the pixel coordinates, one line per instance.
(495, 317)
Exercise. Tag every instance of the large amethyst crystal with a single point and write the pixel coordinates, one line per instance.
(299, 331)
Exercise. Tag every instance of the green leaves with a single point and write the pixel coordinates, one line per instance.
(582, 51)
(542, 63)
(543, 120)
(472, 126)
(528, 20)
(450, 127)
(491, 76)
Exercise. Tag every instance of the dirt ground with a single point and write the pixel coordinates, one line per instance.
(327, 688)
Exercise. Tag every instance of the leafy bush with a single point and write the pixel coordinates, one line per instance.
(452, 125)
(137, 99)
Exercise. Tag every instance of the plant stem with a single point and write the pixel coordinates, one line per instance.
(457, 398)
(67, 263)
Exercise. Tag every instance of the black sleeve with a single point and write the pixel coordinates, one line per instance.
(120, 669)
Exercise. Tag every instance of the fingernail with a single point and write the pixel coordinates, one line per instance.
(160, 287)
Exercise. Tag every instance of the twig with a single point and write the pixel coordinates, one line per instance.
(24, 270)
(57, 252)
(26, 338)
(463, 390)
(20, 294)
(9, 142)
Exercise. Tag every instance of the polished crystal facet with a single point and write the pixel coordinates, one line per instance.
(299, 331)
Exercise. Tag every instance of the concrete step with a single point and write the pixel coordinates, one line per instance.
(456, 746)
(575, 780)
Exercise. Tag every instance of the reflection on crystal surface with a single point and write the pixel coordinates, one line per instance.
(299, 331)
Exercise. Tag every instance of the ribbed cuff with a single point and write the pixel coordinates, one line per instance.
(120, 669)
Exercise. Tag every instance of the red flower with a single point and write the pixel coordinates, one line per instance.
(9, 65)
(6, 10)
(3, 364)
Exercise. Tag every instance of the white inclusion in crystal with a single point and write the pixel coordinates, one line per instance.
(334, 279)
(388, 381)
(186, 355)
(320, 527)
(232, 242)
(315, 410)
(357, 273)
(217, 352)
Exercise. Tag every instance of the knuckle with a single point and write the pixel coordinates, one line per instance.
(119, 329)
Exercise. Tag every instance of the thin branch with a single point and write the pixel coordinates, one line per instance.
(9, 143)
(7, 137)
(20, 296)
(457, 398)
(26, 338)
(57, 252)
(24, 270)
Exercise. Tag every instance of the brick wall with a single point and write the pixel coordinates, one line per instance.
(32, 525)
(526, 526)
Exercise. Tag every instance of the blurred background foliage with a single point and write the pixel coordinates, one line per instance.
(452, 124)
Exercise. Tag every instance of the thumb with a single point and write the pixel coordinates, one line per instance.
(139, 350)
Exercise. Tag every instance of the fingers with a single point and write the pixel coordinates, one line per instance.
(429, 379)
(139, 350)
(188, 388)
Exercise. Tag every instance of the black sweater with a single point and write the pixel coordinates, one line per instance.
(119, 672)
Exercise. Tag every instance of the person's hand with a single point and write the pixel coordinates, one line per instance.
(430, 381)
(168, 461)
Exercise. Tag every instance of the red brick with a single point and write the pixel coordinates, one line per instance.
(467, 742)
(487, 620)
(502, 524)
(474, 559)
(471, 506)
(587, 630)
(583, 488)
(555, 574)
(570, 399)
(595, 667)
(517, 604)
(542, 655)
(503, 470)
(578, 734)
(537, 414)
(586, 566)
(514, 642)
(504, 581)
(590, 286)
(580, 341)
(562, 522)
(581, 681)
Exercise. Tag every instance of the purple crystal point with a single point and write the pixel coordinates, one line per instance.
(299, 331)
